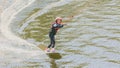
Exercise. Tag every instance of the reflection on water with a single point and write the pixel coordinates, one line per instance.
(91, 38)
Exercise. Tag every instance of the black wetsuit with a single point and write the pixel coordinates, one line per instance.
(52, 33)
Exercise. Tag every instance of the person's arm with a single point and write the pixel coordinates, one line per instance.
(64, 24)
(57, 25)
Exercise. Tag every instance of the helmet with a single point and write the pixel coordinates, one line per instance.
(58, 18)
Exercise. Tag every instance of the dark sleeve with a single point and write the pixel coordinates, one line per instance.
(57, 25)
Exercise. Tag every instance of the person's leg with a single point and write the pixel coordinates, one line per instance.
(50, 43)
(48, 48)
(50, 36)
(53, 50)
(53, 41)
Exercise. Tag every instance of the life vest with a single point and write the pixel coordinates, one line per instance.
(56, 24)
(55, 27)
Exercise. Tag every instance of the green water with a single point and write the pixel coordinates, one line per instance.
(90, 39)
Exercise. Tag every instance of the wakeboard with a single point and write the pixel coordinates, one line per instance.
(53, 55)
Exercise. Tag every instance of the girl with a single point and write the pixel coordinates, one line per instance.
(54, 28)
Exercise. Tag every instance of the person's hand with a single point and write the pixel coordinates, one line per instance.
(64, 24)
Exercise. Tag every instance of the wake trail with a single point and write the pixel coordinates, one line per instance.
(14, 42)
(6, 18)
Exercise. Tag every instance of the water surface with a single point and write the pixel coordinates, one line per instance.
(91, 38)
